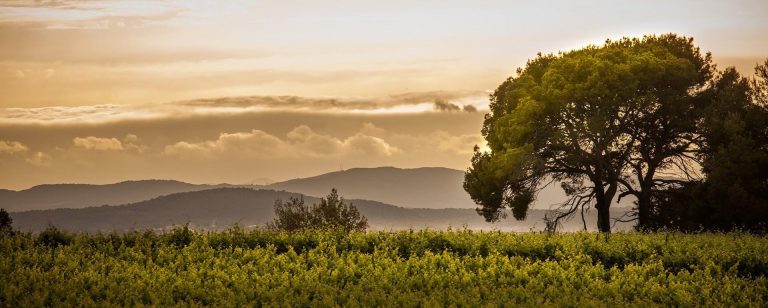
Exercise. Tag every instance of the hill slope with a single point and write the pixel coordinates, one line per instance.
(52, 196)
(223, 207)
(411, 188)
(433, 188)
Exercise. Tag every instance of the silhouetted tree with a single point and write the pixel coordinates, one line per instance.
(734, 155)
(760, 84)
(6, 223)
(331, 213)
(585, 119)
(665, 129)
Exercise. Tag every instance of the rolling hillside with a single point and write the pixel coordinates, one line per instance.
(430, 188)
(221, 208)
(53, 196)
(412, 188)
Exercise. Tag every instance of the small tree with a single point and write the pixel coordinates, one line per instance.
(6, 222)
(292, 215)
(332, 212)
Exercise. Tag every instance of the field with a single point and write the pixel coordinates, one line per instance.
(418, 268)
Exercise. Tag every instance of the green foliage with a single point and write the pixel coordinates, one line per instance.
(331, 213)
(6, 223)
(734, 155)
(579, 117)
(634, 117)
(53, 237)
(291, 215)
(181, 236)
(760, 83)
(416, 268)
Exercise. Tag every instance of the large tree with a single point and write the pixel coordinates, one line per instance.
(665, 132)
(733, 150)
(584, 119)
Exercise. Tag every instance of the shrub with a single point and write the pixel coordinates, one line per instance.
(331, 213)
(53, 237)
(181, 236)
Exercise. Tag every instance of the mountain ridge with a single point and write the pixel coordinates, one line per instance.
(441, 184)
(72, 195)
(220, 208)
(424, 187)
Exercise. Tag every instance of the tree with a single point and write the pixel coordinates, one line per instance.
(574, 118)
(735, 152)
(734, 156)
(760, 84)
(6, 223)
(292, 215)
(331, 213)
(665, 133)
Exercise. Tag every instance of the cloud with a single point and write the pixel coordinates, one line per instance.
(96, 143)
(314, 144)
(443, 105)
(369, 145)
(275, 145)
(40, 159)
(302, 141)
(470, 108)
(49, 73)
(11, 147)
(83, 14)
(57, 4)
(372, 130)
(408, 103)
(458, 144)
(414, 102)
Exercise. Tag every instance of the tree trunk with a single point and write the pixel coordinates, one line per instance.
(604, 218)
(644, 198)
(603, 199)
(643, 209)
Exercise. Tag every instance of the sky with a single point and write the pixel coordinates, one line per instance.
(258, 91)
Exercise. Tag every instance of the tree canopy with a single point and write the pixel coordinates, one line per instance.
(733, 151)
(602, 121)
(331, 213)
(6, 223)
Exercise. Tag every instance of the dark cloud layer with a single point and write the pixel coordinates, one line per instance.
(304, 103)
(442, 105)
(401, 103)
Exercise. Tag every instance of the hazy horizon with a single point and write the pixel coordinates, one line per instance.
(257, 182)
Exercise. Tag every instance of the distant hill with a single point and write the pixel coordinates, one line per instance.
(223, 207)
(52, 196)
(432, 188)
(412, 188)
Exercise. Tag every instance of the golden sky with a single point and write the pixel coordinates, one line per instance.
(241, 91)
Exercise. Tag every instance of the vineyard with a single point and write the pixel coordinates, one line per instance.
(417, 268)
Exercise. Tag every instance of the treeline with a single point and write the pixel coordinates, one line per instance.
(652, 118)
